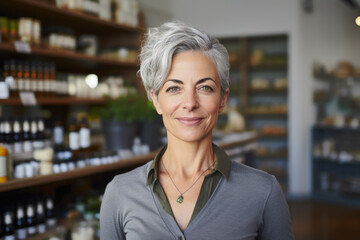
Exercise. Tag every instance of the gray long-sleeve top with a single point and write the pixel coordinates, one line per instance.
(249, 205)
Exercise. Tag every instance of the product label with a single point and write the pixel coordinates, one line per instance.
(27, 85)
(74, 140)
(40, 86)
(27, 145)
(58, 135)
(18, 147)
(33, 85)
(31, 230)
(22, 47)
(28, 98)
(2, 166)
(21, 233)
(47, 86)
(41, 228)
(11, 237)
(51, 222)
(20, 84)
(84, 137)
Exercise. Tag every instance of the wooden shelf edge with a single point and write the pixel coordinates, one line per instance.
(66, 55)
(271, 156)
(17, 184)
(55, 101)
(39, 180)
(74, 15)
(267, 91)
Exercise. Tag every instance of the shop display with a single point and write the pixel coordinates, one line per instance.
(336, 167)
(258, 88)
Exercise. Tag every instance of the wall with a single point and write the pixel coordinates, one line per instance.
(326, 35)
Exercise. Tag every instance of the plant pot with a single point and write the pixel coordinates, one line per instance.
(118, 135)
(151, 133)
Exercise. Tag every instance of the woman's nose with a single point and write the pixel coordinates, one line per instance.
(190, 101)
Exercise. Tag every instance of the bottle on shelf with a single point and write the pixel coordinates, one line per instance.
(13, 74)
(17, 137)
(8, 226)
(40, 217)
(26, 77)
(19, 80)
(30, 220)
(3, 164)
(40, 79)
(50, 214)
(4, 88)
(47, 83)
(52, 79)
(41, 133)
(20, 224)
(84, 136)
(26, 136)
(1, 131)
(73, 133)
(8, 136)
(34, 135)
(33, 78)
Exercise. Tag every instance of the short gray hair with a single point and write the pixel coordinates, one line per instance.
(162, 43)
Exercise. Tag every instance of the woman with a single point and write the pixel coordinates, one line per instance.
(191, 190)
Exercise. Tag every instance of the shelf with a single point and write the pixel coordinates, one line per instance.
(334, 128)
(17, 184)
(56, 101)
(273, 136)
(328, 161)
(87, 171)
(267, 115)
(267, 91)
(272, 156)
(49, 13)
(69, 58)
(269, 66)
(332, 77)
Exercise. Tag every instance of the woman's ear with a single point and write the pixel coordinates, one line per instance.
(223, 100)
(154, 98)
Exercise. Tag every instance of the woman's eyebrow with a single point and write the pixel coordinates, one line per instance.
(198, 82)
(205, 79)
(174, 80)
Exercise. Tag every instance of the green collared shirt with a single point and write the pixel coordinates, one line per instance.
(222, 168)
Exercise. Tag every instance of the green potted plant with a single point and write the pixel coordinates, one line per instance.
(124, 118)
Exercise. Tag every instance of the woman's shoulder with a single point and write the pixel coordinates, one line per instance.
(131, 178)
(240, 172)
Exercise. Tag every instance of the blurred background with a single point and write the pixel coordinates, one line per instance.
(73, 112)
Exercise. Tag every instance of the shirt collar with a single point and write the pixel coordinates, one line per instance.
(222, 164)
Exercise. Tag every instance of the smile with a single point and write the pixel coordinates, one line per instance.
(190, 121)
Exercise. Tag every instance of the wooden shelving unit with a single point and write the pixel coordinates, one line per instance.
(74, 19)
(265, 58)
(51, 101)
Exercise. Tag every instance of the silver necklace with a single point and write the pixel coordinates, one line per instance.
(180, 198)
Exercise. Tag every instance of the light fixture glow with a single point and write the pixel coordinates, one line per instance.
(357, 21)
(92, 80)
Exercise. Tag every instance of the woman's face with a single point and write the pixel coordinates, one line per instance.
(190, 98)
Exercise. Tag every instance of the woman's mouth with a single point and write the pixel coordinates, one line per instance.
(190, 121)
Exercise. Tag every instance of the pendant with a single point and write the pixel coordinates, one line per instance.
(180, 199)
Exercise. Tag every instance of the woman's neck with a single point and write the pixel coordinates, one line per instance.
(187, 159)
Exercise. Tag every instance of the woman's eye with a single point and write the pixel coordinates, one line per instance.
(206, 88)
(172, 89)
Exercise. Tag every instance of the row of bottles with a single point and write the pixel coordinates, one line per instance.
(23, 136)
(27, 218)
(29, 148)
(37, 77)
